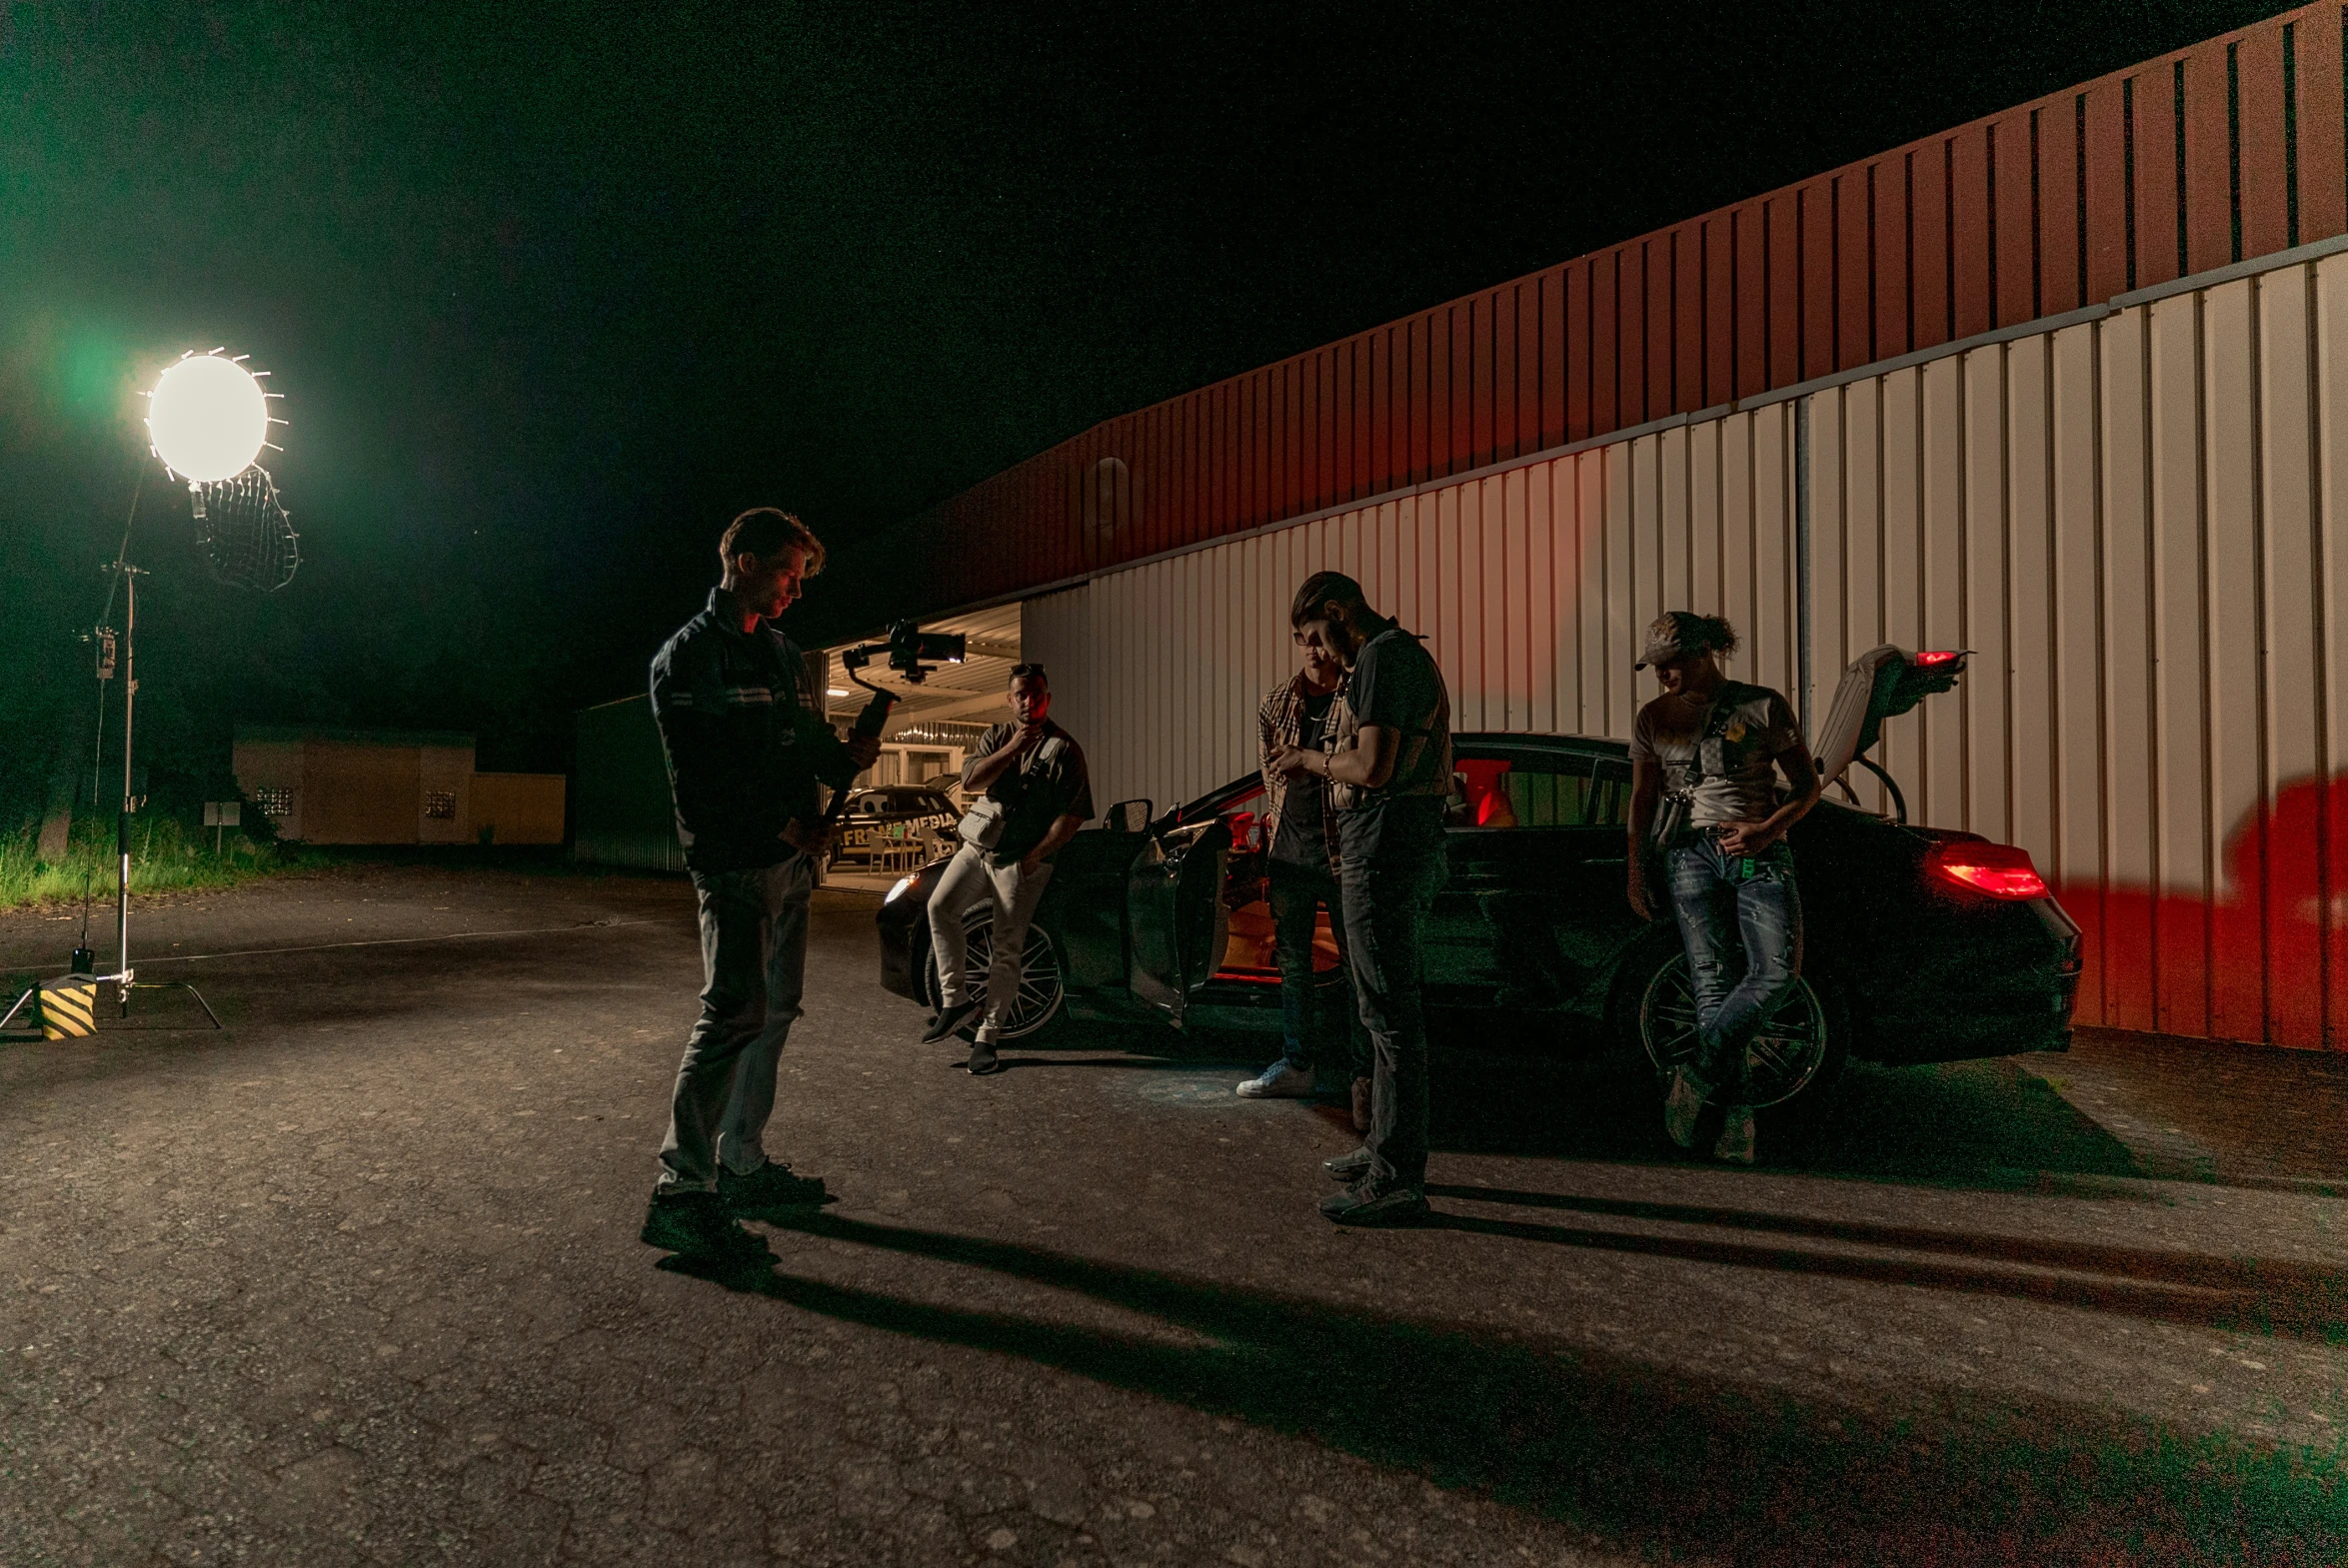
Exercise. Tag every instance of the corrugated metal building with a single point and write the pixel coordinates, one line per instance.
(2063, 386)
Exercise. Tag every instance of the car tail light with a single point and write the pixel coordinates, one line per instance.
(1998, 869)
(1939, 657)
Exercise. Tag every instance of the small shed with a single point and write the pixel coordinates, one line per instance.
(329, 786)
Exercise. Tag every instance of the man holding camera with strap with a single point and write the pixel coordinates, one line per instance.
(1703, 800)
(1031, 795)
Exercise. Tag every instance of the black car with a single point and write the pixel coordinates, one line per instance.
(893, 819)
(1920, 944)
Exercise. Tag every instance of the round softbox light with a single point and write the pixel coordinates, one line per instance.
(207, 418)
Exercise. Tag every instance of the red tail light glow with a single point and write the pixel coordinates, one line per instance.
(1938, 657)
(1998, 869)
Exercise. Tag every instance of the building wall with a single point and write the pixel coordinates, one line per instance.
(518, 807)
(2135, 521)
(271, 772)
(444, 783)
(624, 816)
(2228, 150)
(2132, 521)
(357, 793)
(1531, 586)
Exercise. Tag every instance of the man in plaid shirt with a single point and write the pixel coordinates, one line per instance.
(1300, 839)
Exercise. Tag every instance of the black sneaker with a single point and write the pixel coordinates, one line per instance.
(1348, 1168)
(948, 1019)
(768, 1188)
(1360, 1205)
(696, 1225)
(982, 1059)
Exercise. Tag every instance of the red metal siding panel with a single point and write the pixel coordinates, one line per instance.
(1968, 185)
(1580, 351)
(2106, 194)
(2015, 214)
(1814, 247)
(1891, 256)
(1855, 277)
(2322, 124)
(2258, 62)
(1471, 364)
(1749, 231)
(1934, 314)
(1554, 343)
(1630, 327)
(2058, 205)
(1688, 318)
(1781, 269)
(2209, 195)
(1497, 437)
(1380, 418)
(1605, 375)
(1528, 366)
(1719, 314)
(1660, 322)
(2155, 142)
(1358, 416)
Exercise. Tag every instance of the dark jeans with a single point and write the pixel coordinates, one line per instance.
(1296, 892)
(753, 960)
(1726, 915)
(1388, 894)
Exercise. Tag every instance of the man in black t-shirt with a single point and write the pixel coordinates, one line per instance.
(1300, 875)
(1029, 778)
(1388, 771)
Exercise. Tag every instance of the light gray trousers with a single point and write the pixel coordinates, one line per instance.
(967, 878)
(752, 968)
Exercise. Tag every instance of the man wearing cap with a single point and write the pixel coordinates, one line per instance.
(1712, 747)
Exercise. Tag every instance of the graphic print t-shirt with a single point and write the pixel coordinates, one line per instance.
(1739, 782)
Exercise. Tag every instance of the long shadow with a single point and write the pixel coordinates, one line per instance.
(1976, 1124)
(2309, 1305)
(1662, 1461)
(2184, 1268)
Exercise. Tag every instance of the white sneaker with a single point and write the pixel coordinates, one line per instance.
(1279, 1082)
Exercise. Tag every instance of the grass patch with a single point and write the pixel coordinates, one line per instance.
(166, 854)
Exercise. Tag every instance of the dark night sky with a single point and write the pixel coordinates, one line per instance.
(553, 291)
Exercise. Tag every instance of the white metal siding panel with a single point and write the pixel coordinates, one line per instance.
(2131, 821)
(2290, 934)
(2330, 500)
(2031, 791)
(2235, 742)
(2180, 672)
(2079, 720)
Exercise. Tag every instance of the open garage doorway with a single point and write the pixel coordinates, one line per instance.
(902, 809)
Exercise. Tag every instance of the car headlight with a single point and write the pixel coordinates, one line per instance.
(903, 883)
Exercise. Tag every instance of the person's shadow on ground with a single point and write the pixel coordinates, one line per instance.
(1673, 1462)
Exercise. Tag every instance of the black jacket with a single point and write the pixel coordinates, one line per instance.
(746, 741)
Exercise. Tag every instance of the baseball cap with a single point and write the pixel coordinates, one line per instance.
(1667, 638)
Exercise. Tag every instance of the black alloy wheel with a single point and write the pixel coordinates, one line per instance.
(1040, 989)
(1790, 1053)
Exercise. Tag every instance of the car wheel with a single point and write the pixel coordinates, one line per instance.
(1798, 1049)
(1041, 988)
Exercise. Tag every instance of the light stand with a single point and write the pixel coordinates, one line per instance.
(125, 979)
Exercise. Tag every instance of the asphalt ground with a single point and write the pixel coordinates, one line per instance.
(356, 1280)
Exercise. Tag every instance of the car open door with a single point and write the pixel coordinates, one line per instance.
(1175, 913)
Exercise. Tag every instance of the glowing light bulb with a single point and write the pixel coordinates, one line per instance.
(208, 418)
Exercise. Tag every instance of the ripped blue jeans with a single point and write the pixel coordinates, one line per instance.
(1743, 934)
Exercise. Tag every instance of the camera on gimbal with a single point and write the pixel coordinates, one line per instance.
(913, 652)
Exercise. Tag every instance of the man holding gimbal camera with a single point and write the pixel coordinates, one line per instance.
(747, 746)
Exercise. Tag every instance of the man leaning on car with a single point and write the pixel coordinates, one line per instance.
(1029, 794)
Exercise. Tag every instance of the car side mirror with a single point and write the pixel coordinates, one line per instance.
(1128, 816)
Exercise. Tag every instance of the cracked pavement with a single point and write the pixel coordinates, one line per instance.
(356, 1280)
